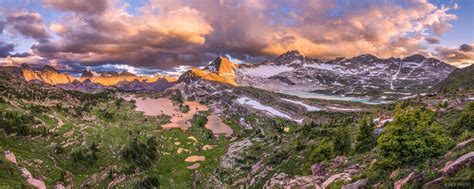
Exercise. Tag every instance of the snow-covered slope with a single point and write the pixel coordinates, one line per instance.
(364, 75)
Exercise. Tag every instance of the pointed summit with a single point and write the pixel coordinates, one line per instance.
(222, 66)
(414, 58)
(48, 68)
(289, 56)
(367, 57)
(220, 70)
(25, 66)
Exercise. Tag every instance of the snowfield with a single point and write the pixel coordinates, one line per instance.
(308, 107)
(265, 70)
(257, 105)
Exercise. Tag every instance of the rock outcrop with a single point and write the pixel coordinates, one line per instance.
(220, 70)
(47, 75)
(114, 78)
(452, 167)
(403, 181)
(356, 185)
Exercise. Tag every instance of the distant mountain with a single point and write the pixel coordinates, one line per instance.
(363, 75)
(86, 86)
(220, 70)
(90, 81)
(47, 75)
(114, 78)
(160, 84)
(460, 80)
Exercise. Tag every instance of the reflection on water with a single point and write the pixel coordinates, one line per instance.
(154, 107)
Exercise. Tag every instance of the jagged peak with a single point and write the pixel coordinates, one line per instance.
(87, 73)
(290, 54)
(48, 68)
(366, 56)
(217, 64)
(25, 66)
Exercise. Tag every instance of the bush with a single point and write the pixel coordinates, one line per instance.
(465, 122)
(199, 120)
(322, 152)
(411, 137)
(150, 182)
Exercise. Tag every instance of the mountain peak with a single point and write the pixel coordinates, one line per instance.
(414, 58)
(292, 54)
(367, 56)
(25, 66)
(48, 68)
(221, 64)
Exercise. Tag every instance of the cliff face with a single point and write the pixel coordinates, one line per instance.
(220, 70)
(47, 74)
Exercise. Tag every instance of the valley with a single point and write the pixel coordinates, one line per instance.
(200, 131)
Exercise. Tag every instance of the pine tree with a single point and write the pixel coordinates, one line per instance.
(365, 139)
(342, 141)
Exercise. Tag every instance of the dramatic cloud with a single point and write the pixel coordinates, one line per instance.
(2, 26)
(170, 33)
(146, 40)
(80, 6)
(28, 24)
(6, 49)
(432, 40)
(462, 56)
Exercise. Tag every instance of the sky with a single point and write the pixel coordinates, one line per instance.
(168, 36)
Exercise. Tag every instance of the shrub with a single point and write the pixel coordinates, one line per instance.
(465, 122)
(322, 152)
(412, 136)
(150, 182)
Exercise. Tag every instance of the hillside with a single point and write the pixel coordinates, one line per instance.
(206, 134)
(460, 80)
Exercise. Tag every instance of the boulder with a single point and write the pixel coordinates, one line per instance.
(10, 156)
(332, 178)
(434, 182)
(452, 167)
(401, 182)
(353, 169)
(465, 143)
(318, 169)
(356, 185)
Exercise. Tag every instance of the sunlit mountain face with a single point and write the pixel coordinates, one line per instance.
(236, 94)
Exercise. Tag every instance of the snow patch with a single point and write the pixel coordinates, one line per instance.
(308, 107)
(257, 105)
(265, 70)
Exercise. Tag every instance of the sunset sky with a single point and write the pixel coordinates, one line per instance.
(152, 36)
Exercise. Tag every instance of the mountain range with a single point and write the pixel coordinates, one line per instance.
(229, 125)
(292, 73)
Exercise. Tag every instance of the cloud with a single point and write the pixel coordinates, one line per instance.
(151, 40)
(6, 49)
(168, 33)
(2, 26)
(432, 40)
(79, 6)
(461, 56)
(28, 24)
